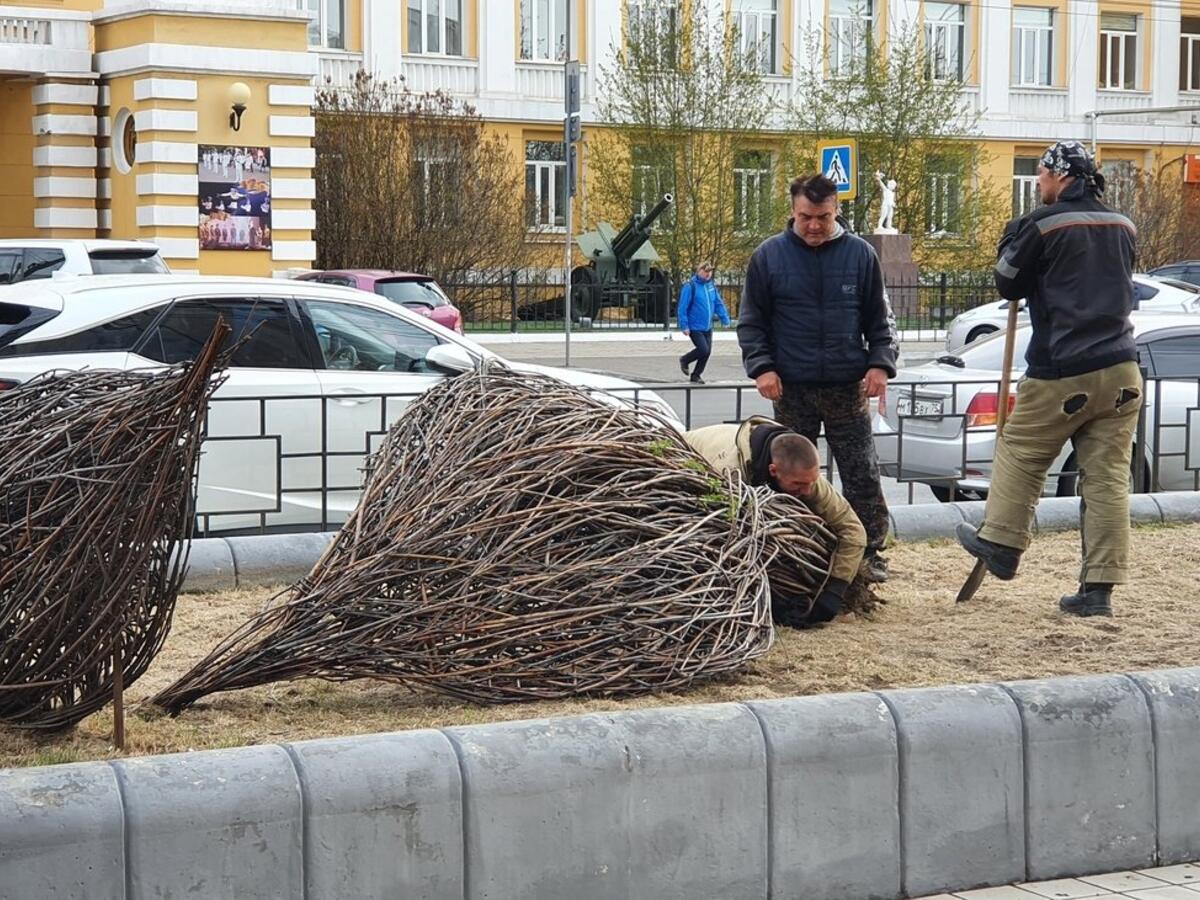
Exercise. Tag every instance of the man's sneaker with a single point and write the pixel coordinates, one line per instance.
(1092, 600)
(683, 366)
(696, 379)
(1001, 561)
(874, 569)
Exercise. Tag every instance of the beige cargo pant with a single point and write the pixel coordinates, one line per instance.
(1099, 412)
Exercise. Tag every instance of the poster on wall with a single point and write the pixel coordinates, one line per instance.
(235, 198)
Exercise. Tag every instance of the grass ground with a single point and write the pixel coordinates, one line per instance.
(919, 637)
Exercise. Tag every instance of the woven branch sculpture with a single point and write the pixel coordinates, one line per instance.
(95, 498)
(518, 539)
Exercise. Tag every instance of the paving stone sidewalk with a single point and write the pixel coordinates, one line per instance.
(1181, 882)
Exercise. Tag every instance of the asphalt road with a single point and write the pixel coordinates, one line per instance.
(655, 363)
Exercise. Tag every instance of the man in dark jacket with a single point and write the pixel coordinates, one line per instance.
(818, 338)
(1072, 259)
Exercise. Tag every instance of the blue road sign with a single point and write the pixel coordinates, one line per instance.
(839, 163)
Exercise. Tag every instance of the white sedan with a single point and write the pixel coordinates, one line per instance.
(338, 366)
(1150, 293)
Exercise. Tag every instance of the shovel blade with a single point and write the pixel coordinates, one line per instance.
(971, 585)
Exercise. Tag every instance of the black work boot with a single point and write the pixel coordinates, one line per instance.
(874, 569)
(1092, 600)
(683, 366)
(1001, 561)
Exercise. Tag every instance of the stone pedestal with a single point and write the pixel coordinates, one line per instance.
(900, 273)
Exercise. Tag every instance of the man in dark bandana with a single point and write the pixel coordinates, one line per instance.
(1072, 260)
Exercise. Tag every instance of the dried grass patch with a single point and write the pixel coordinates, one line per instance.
(919, 637)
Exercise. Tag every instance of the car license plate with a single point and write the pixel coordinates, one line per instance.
(905, 407)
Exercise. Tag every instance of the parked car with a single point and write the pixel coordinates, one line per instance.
(420, 293)
(29, 259)
(1150, 293)
(340, 365)
(940, 424)
(1187, 271)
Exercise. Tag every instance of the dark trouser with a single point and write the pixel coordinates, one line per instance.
(703, 344)
(842, 408)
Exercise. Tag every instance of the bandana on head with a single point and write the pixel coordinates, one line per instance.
(1072, 158)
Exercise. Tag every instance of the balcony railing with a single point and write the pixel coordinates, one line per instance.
(48, 41)
(544, 80)
(24, 30)
(1038, 103)
(450, 74)
(338, 67)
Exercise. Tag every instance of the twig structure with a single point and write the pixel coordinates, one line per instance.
(96, 500)
(519, 539)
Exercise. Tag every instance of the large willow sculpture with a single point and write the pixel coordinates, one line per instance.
(519, 539)
(95, 500)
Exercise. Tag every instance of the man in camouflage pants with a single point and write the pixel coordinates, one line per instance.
(818, 338)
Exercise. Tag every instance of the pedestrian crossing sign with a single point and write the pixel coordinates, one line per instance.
(839, 163)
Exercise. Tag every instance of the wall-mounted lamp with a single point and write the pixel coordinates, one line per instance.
(239, 96)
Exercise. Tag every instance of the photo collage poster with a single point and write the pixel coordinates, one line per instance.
(235, 198)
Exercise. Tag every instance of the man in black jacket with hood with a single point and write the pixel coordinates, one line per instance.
(819, 340)
(1072, 259)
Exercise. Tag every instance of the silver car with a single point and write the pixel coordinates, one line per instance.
(940, 425)
(1150, 293)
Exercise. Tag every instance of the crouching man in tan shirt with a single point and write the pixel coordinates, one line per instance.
(762, 451)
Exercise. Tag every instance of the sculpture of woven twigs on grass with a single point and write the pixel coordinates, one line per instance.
(95, 498)
(518, 539)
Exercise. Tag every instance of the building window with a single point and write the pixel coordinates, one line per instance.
(1033, 46)
(1120, 183)
(850, 23)
(544, 29)
(545, 186)
(1025, 185)
(326, 23)
(1118, 51)
(652, 176)
(1189, 54)
(654, 32)
(752, 191)
(943, 198)
(945, 41)
(756, 24)
(435, 27)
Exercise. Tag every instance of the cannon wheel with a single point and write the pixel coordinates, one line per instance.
(653, 304)
(585, 293)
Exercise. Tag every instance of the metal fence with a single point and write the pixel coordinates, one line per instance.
(293, 463)
(520, 304)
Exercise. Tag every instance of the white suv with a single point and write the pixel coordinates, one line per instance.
(27, 259)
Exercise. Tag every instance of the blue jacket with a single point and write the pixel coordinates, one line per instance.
(816, 315)
(699, 301)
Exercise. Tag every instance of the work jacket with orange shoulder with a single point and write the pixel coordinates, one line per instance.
(1072, 261)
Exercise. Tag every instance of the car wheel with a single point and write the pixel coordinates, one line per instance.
(945, 494)
(1068, 485)
(980, 331)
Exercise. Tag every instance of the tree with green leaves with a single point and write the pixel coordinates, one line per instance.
(687, 111)
(903, 101)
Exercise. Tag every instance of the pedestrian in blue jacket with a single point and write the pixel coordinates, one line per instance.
(699, 301)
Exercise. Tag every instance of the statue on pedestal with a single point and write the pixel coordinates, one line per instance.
(887, 204)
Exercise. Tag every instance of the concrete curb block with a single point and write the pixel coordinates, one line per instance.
(920, 522)
(853, 795)
(217, 564)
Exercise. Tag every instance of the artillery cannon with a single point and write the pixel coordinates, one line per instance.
(620, 270)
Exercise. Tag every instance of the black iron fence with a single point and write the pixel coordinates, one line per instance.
(516, 303)
(294, 463)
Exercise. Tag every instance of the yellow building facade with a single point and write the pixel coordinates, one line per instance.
(107, 109)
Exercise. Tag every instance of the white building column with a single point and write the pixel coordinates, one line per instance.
(1164, 52)
(995, 55)
(382, 31)
(1083, 60)
(498, 47)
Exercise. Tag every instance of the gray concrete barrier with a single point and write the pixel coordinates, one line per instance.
(843, 796)
(262, 560)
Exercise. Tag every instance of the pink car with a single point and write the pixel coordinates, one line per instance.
(420, 293)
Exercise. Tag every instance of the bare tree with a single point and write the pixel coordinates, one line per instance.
(689, 113)
(415, 181)
(1164, 209)
(911, 119)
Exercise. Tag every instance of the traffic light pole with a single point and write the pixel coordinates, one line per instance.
(571, 134)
